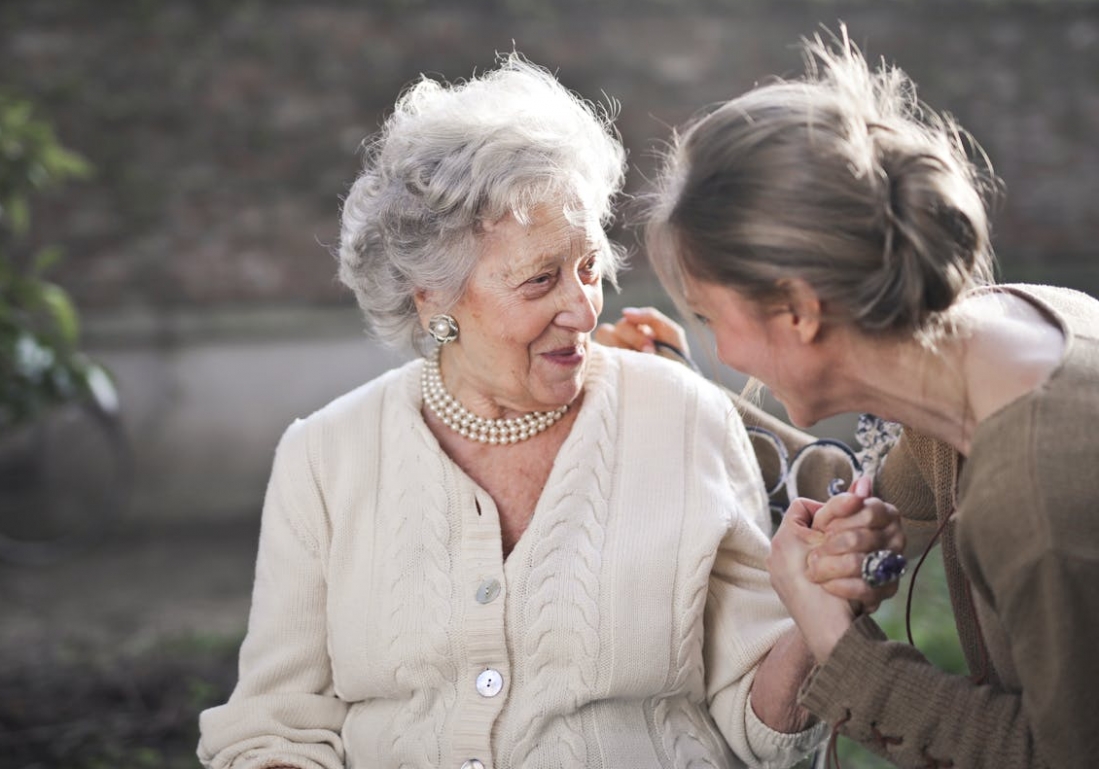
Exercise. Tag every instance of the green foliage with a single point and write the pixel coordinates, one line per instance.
(40, 363)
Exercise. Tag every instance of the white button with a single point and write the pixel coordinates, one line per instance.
(490, 682)
(488, 591)
(473, 763)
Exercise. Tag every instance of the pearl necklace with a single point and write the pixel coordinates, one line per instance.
(467, 424)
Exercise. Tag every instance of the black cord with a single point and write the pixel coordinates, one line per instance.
(676, 352)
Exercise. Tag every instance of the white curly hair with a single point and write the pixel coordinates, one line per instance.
(454, 156)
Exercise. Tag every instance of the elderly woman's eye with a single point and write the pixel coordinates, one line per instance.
(541, 280)
(702, 319)
(590, 267)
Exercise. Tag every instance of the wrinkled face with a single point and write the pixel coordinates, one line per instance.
(526, 314)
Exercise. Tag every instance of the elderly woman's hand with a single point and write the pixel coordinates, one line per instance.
(643, 329)
(821, 617)
(854, 525)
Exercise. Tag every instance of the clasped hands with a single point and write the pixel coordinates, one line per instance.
(817, 557)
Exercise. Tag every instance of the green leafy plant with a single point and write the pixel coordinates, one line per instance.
(40, 361)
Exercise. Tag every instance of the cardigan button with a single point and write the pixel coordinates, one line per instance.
(488, 590)
(473, 763)
(489, 683)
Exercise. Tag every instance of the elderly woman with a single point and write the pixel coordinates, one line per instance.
(832, 233)
(522, 550)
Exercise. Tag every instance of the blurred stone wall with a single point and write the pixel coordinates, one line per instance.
(223, 135)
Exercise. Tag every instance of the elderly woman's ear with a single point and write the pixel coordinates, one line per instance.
(426, 306)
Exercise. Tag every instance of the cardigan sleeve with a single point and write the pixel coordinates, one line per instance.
(744, 619)
(918, 477)
(889, 697)
(283, 710)
(885, 694)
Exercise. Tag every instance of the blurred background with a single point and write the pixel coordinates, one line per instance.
(213, 142)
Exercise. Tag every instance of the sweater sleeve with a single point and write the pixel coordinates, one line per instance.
(744, 619)
(887, 696)
(283, 710)
(917, 477)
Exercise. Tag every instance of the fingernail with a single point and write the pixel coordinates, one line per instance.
(863, 487)
(630, 309)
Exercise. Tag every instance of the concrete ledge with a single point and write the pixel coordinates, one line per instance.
(160, 326)
(206, 396)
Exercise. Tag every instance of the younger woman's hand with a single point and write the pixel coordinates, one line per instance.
(640, 329)
(854, 525)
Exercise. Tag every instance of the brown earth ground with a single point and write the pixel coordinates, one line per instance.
(107, 657)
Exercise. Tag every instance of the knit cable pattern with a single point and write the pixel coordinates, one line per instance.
(562, 612)
(422, 543)
(676, 715)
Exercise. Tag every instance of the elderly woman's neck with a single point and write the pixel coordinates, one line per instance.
(488, 393)
(463, 386)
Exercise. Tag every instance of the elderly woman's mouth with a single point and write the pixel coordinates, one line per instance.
(573, 355)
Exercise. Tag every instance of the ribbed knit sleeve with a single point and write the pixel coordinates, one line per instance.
(887, 696)
(918, 477)
(744, 619)
(283, 710)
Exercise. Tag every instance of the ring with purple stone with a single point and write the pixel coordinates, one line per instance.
(882, 567)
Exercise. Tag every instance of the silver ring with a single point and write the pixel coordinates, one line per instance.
(882, 567)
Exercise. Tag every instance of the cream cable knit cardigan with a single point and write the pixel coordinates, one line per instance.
(629, 621)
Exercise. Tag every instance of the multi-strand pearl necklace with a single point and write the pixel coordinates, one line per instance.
(467, 424)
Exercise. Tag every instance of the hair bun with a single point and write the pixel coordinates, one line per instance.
(841, 178)
(930, 245)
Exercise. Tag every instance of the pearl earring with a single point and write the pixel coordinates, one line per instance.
(443, 328)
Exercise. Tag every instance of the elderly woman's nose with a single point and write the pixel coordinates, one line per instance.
(579, 306)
